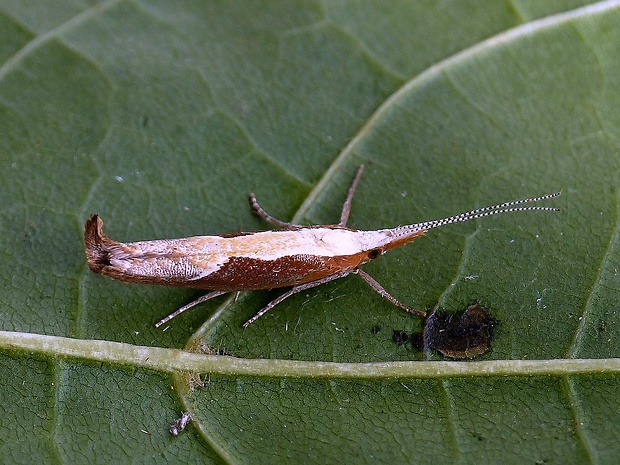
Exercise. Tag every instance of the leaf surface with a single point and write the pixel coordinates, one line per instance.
(162, 117)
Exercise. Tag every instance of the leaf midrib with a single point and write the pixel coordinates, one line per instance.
(175, 361)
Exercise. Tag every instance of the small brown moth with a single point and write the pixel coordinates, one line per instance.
(294, 255)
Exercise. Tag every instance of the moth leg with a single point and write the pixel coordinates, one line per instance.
(199, 300)
(380, 290)
(266, 216)
(346, 208)
(291, 291)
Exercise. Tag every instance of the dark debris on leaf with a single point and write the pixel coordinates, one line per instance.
(463, 335)
(400, 337)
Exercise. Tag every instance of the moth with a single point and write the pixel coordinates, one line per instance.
(295, 256)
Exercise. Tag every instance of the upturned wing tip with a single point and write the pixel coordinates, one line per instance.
(94, 243)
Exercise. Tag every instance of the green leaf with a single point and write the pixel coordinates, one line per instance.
(162, 116)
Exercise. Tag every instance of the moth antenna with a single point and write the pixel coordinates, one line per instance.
(506, 207)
